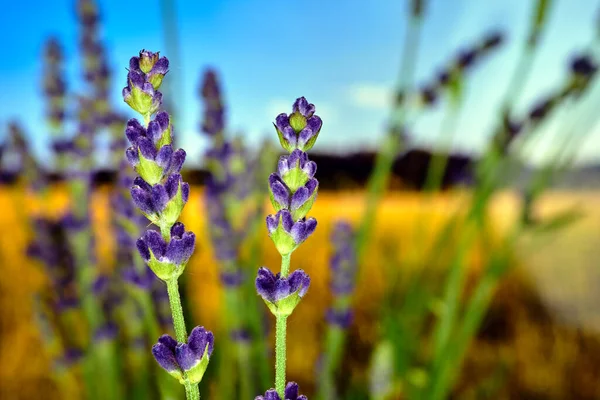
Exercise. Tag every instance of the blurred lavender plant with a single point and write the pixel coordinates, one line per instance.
(160, 194)
(54, 86)
(339, 316)
(234, 204)
(293, 190)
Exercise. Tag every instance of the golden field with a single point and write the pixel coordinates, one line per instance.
(542, 328)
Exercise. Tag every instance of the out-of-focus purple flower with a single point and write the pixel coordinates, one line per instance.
(282, 294)
(214, 111)
(54, 85)
(167, 259)
(189, 358)
(292, 392)
(343, 273)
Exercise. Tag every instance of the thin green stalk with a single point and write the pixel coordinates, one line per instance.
(176, 310)
(391, 145)
(280, 338)
(191, 390)
(439, 159)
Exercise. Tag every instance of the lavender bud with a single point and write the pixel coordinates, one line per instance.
(167, 260)
(282, 294)
(191, 357)
(291, 393)
(287, 234)
(300, 129)
(140, 94)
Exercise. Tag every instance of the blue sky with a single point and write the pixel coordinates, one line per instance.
(342, 55)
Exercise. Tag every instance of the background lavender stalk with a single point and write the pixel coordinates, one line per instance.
(160, 193)
(54, 87)
(388, 150)
(339, 316)
(232, 203)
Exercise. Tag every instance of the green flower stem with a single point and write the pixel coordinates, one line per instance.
(280, 338)
(176, 310)
(191, 390)
(285, 265)
(439, 160)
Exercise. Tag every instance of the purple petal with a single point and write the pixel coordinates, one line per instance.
(132, 156)
(291, 389)
(280, 192)
(290, 135)
(272, 222)
(164, 353)
(163, 157)
(314, 123)
(143, 249)
(163, 120)
(155, 243)
(302, 106)
(310, 168)
(265, 283)
(160, 197)
(161, 66)
(142, 200)
(281, 289)
(186, 358)
(185, 192)
(286, 220)
(134, 130)
(134, 63)
(172, 185)
(200, 339)
(177, 161)
(305, 135)
(179, 251)
(282, 165)
(138, 181)
(136, 79)
(282, 121)
(310, 225)
(147, 148)
(177, 230)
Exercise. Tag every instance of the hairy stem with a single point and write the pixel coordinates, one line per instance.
(191, 390)
(285, 265)
(280, 334)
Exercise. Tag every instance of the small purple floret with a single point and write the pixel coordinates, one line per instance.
(291, 393)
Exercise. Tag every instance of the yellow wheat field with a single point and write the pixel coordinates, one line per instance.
(561, 269)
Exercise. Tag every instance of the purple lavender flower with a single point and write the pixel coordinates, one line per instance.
(300, 129)
(282, 294)
(190, 358)
(287, 234)
(167, 259)
(291, 393)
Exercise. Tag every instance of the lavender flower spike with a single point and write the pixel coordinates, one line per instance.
(160, 193)
(191, 357)
(282, 294)
(291, 393)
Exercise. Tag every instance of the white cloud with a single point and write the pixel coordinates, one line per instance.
(370, 95)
